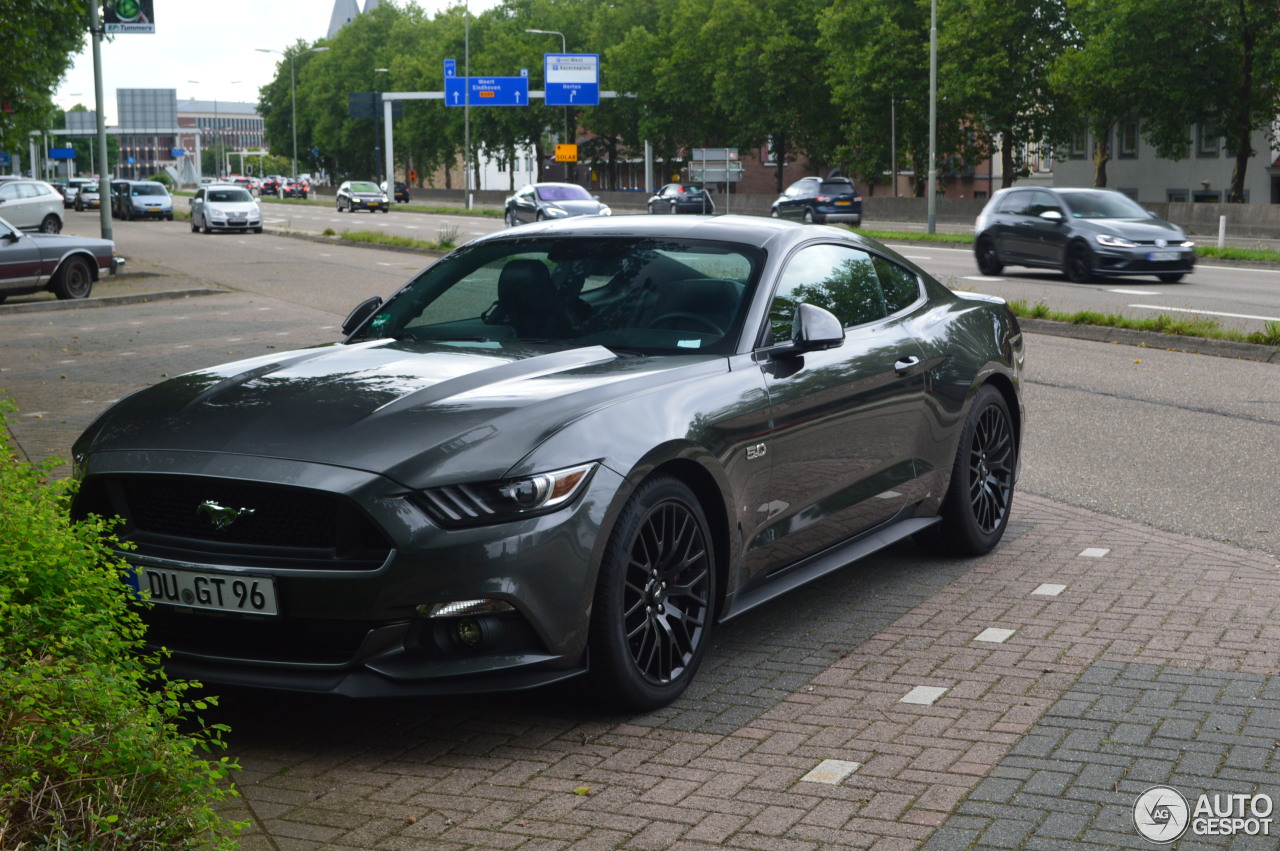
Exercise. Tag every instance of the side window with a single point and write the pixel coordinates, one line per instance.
(1045, 201)
(9, 192)
(900, 285)
(839, 278)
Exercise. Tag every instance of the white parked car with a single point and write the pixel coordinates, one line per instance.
(31, 205)
(225, 206)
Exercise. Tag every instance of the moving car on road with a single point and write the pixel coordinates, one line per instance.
(568, 448)
(65, 265)
(538, 201)
(290, 188)
(401, 191)
(361, 195)
(682, 198)
(821, 200)
(31, 205)
(1085, 233)
(225, 206)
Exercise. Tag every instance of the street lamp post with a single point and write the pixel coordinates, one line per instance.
(568, 131)
(293, 97)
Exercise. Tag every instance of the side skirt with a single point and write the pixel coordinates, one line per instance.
(826, 562)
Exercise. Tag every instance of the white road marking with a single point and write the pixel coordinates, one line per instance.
(1135, 292)
(1207, 312)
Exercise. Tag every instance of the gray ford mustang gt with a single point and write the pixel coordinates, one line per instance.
(567, 448)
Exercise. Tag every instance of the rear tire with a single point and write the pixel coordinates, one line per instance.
(73, 280)
(51, 224)
(975, 510)
(808, 217)
(654, 600)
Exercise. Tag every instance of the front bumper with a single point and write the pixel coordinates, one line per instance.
(151, 213)
(358, 204)
(362, 630)
(1138, 261)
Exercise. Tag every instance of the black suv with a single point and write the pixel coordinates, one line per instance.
(817, 199)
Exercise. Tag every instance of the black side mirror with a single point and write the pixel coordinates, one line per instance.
(360, 314)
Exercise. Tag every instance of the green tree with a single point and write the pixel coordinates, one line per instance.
(878, 65)
(39, 41)
(994, 62)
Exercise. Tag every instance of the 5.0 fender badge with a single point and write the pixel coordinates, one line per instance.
(754, 452)
(221, 516)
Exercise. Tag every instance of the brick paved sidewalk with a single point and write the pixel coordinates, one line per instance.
(1046, 686)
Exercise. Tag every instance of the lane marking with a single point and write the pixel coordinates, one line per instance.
(1208, 312)
(1135, 292)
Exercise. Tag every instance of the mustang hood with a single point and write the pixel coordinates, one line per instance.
(408, 410)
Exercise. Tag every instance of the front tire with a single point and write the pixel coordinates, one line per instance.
(1078, 267)
(988, 260)
(652, 613)
(975, 510)
(74, 279)
(1171, 277)
(511, 219)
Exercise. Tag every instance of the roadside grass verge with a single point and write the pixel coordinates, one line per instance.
(446, 239)
(1161, 324)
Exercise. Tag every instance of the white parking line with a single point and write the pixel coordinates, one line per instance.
(1207, 312)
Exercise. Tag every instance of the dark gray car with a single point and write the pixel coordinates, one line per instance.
(1085, 233)
(567, 448)
(539, 201)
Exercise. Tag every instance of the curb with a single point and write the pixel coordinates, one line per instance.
(1153, 340)
(106, 301)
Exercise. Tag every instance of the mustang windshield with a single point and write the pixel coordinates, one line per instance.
(644, 295)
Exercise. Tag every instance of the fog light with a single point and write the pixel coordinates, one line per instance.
(468, 632)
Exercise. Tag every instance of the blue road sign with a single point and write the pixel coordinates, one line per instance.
(486, 91)
(572, 79)
(451, 68)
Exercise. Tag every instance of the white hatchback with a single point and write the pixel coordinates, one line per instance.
(225, 206)
(31, 205)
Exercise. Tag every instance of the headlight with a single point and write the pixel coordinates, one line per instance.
(1113, 241)
(1187, 243)
(217, 214)
(556, 211)
(511, 499)
(605, 211)
(384, 199)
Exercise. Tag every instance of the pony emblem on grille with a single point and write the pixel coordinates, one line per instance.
(221, 516)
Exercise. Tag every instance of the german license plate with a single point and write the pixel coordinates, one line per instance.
(1162, 256)
(211, 591)
(237, 221)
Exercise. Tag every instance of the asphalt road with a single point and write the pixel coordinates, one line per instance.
(1187, 443)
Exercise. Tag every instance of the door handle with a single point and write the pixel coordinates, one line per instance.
(906, 365)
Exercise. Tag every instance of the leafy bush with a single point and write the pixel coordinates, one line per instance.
(98, 749)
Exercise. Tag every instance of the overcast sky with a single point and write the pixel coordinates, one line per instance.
(210, 42)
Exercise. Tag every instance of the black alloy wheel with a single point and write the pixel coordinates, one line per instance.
(1078, 267)
(976, 507)
(988, 260)
(74, 279)
(651, 620)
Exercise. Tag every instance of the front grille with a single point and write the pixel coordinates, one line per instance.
(200, 515)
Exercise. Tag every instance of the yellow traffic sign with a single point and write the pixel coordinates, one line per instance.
(566, 153)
